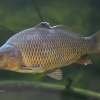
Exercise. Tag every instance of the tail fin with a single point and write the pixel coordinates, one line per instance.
(96, 40)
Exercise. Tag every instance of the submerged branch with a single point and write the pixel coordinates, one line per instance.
(20, 86)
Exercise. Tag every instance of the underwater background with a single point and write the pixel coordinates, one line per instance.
(83, 15)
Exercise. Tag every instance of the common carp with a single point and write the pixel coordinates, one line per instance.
(45, 49)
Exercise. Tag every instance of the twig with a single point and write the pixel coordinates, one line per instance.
(48, 88)
(38, 11)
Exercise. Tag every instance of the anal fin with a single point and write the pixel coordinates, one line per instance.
(83, 60)
(57, 74)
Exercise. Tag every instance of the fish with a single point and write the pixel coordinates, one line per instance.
(45, 49)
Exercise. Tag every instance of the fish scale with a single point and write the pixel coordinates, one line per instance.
(26, 52)
(52, 54)
(44, 49)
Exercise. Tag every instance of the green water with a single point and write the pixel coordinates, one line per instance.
(84, 15)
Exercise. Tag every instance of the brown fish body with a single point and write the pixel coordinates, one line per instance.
(44, 49)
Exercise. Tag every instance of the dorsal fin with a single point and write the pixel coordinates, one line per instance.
(69, 30)
(42, 25)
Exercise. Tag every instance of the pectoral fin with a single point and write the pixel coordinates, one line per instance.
(84, 60)
(32, 68)
(57, 74)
